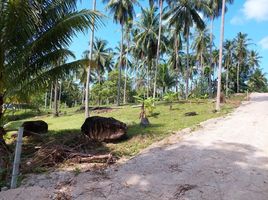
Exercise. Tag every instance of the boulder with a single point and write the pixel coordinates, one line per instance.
(38, 127)
(104, 129)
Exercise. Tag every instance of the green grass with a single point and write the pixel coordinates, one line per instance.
(164, 123)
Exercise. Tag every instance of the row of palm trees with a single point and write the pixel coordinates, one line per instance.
(181, 15)
(162, 32)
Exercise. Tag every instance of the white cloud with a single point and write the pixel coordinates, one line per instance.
(251, 10)
(264, 43)
(237, 21)
(256, 9)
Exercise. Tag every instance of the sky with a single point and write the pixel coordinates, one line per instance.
(246, 16)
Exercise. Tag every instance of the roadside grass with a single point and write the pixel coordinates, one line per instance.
(163, 123)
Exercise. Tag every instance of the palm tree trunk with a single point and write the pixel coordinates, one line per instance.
(220, 57)
(99, 75)
(135, 76)
(51, 96)
(120, 65)
(60, 93)
(1, 105)
(125, 85)
(158, 45)
(176, 59)
(89, 67)
(211, 57)
(148, 79)
(83, 95)
(56, 111)
(46, 100)
(237, 77)
(187, 67)
(2, 61)
(126, 68)
(227, 80)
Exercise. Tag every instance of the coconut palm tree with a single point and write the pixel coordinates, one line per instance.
(160, 2)
(89, 67)
(253, 60)
(185, 12)
(212, 9)
(258, 82)
(34, 34)
(228, 61)
(166, 77)
(123, 11)
(31, 38)
(200, 45)
(127, 36)
(220, 57)
(241, 52)
(100, 54)
(147, 38)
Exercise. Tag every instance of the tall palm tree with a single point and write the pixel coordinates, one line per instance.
(160, 2)
(123, 11)
(127, 33)
(186, 13)
(241, 52)
(176, 42)
(147, 39)
(220, 57)
(253, 60)
(200, 45)
(100, 55)
(166, 77)
(89, 67)
(228, 61)
(258, 82)
(212, 9)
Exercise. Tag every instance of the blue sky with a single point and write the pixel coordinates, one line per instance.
(248, 16)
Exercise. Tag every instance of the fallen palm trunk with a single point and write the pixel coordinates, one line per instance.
(108, 159)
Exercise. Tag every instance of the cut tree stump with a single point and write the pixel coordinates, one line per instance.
(104, 129)
(34, 127)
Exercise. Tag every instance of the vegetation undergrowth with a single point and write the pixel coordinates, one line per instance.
(164, 122)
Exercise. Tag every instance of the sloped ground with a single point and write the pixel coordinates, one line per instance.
(227, 159)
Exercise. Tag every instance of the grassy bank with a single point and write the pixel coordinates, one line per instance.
(163, 123)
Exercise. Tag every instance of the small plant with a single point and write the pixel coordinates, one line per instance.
(147, 106)
(170, 97)
(77, 171)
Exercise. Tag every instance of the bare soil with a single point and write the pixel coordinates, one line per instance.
(226, 159)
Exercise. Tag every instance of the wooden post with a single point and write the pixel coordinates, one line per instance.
(16, 164)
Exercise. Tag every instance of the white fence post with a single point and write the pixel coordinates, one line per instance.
(16, 164)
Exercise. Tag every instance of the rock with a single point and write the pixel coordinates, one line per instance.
(38, 127)
(104, 129)
(144, 122)
(188, 114)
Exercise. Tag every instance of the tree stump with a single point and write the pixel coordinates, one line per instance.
(104, 129)
(222, 98)
(38, 127)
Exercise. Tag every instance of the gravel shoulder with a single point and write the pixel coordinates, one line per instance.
(226, 159)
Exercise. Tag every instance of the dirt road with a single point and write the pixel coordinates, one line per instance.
(227, 159)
